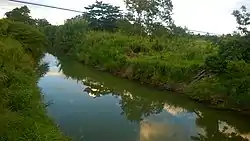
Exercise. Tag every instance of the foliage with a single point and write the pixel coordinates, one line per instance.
(20, 15)
(42, 22)
(128, 28)
(167, 57)
(235, 48)
(143, 58)
(228, 86)
(139, 48)
(150, 10)
(243, 19)
(50, 33)
(67, 36)
(147, 12)
(102, 16)
(22, 116)
(33, 41)
(227, 90)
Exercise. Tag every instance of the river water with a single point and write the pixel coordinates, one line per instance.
(89, 105)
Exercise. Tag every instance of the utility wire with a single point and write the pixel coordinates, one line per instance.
(60, 8)
(49, 6)
(202, 32)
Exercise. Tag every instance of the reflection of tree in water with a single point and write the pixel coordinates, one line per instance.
(95, 89)
(137, 105)
(134, 106)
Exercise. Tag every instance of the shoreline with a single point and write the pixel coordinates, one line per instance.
(169, 88)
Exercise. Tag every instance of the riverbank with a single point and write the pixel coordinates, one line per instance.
(175, 63)
(22, 112)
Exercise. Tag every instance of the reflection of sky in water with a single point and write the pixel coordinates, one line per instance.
(79, 114)
(174, 126)
(228, 129)
(82, 116)
(53, 69)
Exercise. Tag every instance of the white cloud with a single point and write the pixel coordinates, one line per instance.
(204, 15)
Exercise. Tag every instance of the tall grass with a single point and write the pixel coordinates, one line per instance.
(203, 70)
(150, 60)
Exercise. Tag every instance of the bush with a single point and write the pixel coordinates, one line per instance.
(216, 64)
(229, 89)
(67, 36)
(32, 40)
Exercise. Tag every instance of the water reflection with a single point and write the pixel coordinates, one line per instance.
(152, 115)
(134, 107)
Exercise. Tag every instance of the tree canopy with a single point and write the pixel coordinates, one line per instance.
(243, 19)
(20, 15)
(148, 11)
(102, 16)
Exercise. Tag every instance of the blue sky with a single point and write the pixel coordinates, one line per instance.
(203, 15)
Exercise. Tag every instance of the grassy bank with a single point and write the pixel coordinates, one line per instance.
(152, 61)
(177, 63)
(22, 113)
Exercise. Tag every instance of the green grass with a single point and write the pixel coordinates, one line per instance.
(159, 61)
(22, 113)
(178, 63)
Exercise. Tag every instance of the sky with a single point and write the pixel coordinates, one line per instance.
(213, 16)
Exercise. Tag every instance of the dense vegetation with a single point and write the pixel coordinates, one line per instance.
(22, 113)
(143, 44)
(209, 69)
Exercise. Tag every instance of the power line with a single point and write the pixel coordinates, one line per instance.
(71, 10)
(49, 6)
(202, 32)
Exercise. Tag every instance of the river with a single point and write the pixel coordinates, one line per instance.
(90, 105)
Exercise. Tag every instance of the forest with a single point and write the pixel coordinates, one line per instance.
(142, 44)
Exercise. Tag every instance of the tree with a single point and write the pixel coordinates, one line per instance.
(157, 29)
(42, 22)
(243, 19)
(102, 16)
(20, 15)
(178, 30)
(232, 48)
(69, 35)
(130, 28)
(148, 11)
